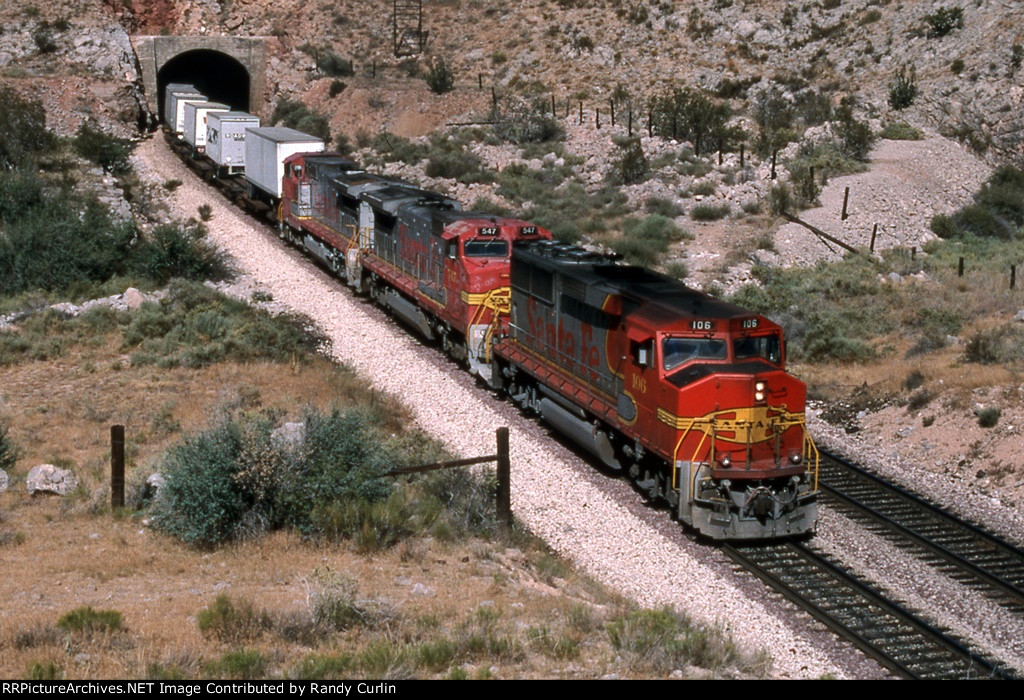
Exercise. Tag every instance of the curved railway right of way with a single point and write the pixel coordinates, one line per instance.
(866, 616)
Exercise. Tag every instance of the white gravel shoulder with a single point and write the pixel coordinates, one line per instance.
(577, 519)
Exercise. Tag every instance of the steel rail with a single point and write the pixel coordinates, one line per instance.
(858, 612)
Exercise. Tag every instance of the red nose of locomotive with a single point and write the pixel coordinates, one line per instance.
(757, 428)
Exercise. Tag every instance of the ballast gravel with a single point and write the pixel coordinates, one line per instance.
(553, 492)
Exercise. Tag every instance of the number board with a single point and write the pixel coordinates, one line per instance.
(702, 325)
(527, 230)
(749, 323)
(488, 230)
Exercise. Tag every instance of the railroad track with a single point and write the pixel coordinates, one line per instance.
(963, 551)
(884, 630)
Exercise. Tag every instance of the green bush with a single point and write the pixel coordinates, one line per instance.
(296, 115)
(23, 131)
(397, 148)
(232, 622)
(237, 478)
(522, 121)
(109, 152)
(903, 88)
(8, 449)
(631, 165)
(899, 131)
(244, 664)
(684, 113)
(440, 78)
(663, 640)
(710, 212)
(645, 241)
(989, 417)
(336, 88)
(89, 621)
(1000, 344)
(943, 21)
(194, 326)
(331, 64)
(53, 239)
(179, 250)
(855, 137)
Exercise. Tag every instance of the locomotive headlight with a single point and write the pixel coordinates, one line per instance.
(796, 458)
(725, 461)
(760, 391)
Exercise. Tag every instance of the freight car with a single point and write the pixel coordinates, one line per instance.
(686, 394)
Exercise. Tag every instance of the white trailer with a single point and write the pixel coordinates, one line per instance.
(265, 151)
(176, 117)
(196, 114)
(225, 138)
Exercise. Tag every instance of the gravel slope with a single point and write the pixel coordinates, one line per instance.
(646, 561)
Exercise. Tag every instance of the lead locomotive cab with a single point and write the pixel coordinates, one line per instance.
(686, 393)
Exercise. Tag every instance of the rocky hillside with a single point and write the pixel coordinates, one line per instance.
(966, 56)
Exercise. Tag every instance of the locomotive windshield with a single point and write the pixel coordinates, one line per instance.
(675, 351)
(766, 347)
(485, 249)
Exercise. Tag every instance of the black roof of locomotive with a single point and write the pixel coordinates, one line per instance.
(396, 194)
(662, 296)
(325, 166)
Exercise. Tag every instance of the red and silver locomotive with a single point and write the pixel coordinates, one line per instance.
(687, 393)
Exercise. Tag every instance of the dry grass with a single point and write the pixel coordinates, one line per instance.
(426, 608)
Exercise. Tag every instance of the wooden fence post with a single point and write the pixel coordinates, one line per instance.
(117, 466)
(846, 200)
(504, 495)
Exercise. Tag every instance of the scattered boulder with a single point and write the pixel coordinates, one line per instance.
(154, 482)
(47, 478)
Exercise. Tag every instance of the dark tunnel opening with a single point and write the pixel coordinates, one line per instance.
(218, 76)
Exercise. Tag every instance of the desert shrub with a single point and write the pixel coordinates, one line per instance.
(194, 326)
(709, 212)
(90, 621)
(830, 312)
(333, 601)
(109, 152)
(943, 21)
(245, 664)
(336, 88)
(903, 88)
(397, 148)
(22, 129)
(662, 640)
(319, 667)
(296, 115)
(645, 241)
(631, 165)
(449, 158)
(663, 207)
(440, 78)
(900, 131)
(237, 477)
(1000, 344)
(684, 113)
(179, 250)
(855, 137)
(1003, 194)
(957, 66)
(982, 221)
(780, 199)
(523, 121)
(813, 107)
(8, 449)
(44, 671)
(774, 116)
(53, 239)
(205, 212)
(232, 622)
(331, 64)
(989, 417)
